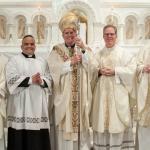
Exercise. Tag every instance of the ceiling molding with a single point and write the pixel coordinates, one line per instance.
(26, 4)
(127, 4)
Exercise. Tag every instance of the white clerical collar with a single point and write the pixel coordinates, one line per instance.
(110, 48)
(28, 56)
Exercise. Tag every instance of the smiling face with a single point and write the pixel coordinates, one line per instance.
(69, 36)
(110, 36)
(28, 45)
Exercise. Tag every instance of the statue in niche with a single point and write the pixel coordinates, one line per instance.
(10, 39)
(111, 20)
(129, 29)
(21, 27)
(2, 28)
(147, 30)
(40, 28)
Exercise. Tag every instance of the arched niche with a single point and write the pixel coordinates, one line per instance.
(147, 27)
(83, 8)
(112, 20)
(39, 28)
(130, 28)
(21, 26)
(3, 22)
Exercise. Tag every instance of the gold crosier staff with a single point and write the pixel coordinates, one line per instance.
(76, 83)
(78, 51)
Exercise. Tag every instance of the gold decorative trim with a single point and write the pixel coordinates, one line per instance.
(74, 89)
(60, 52)
(75, 103)
(144, 115)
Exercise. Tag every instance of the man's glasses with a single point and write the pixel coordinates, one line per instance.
(109, 34)
(68, 33)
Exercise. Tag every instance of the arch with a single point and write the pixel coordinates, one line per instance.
(114, 16)
(47, 16)
(5, 15)
(111, 19)
(133, 15)
(147, 27)
(130, 27)
(86, 9)
(20, 25)
(39, 26)
(143, 18)
(146, 17)
(3, 22)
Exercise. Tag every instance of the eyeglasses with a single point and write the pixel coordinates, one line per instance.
(109, 34)
(68, 33)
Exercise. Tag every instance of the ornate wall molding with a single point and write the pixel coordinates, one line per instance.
(85, 7)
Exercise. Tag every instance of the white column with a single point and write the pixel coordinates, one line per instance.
(49, 34)
(29, 29)
(54, 33)
(101, 34)
(121, 33)
(90, 33)
(97, 32)
(98, 41)
(141, 33)
(82, 31)
(11, 34)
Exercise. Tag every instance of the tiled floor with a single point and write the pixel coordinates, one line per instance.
(2, 141)
(4, 148)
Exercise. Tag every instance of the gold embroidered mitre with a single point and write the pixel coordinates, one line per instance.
(70, 20)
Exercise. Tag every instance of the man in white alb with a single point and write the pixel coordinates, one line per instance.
(113, 77)
(3, 96)
(30, 85)
(67, 68)
(143, 98)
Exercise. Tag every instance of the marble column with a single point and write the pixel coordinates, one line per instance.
(54, 33)
(29, 29)
(90, 33)
(141, 33)
(49, 34)
(98, 32)
(11, 33)
(121, 33)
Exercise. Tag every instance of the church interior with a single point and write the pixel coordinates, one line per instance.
(40, 18)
